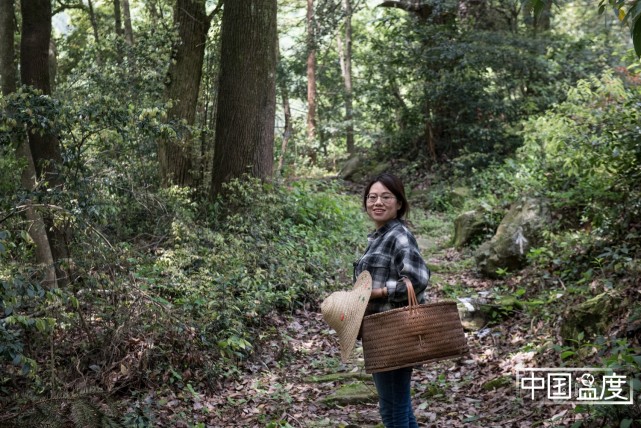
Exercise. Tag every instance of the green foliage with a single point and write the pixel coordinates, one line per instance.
(267, 250)
(464, 86)
(584, 157)
(617, 355)
(631, 17)
(190, 308)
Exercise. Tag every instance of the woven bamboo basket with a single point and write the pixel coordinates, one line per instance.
(412, 335)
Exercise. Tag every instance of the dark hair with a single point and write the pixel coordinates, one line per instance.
(395, 185)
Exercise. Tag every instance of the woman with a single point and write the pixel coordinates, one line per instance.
(392, 256)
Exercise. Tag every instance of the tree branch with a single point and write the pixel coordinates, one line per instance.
(216, 9)
(401, 5)
(65, 6)
(423, 11)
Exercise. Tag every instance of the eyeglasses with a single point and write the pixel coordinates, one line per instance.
(386, 198)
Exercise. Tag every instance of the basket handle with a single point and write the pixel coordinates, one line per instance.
(412, 302)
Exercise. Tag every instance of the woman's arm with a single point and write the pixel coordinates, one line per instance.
(409, 264)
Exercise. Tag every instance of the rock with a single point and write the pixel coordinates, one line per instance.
(519, 230)
(350, 167)
(591, 317)
(358, 170)
(498, 382)
(476, 312)
(377, 169)
(458, 196)
(352, 393)
(469, 310)
(468, 226)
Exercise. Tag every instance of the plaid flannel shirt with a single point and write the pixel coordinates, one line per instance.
(391, 255)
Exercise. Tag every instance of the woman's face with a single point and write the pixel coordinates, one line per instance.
(381, 204)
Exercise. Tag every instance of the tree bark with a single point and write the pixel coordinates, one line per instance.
(311, 73)
(247, 92)
(119, 30)
(183, 86)
(118, 18)
(8, 70)
(345, 53)
(94, 22)
(129, 32)
(45, 149)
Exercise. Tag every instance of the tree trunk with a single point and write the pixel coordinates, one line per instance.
(311, 73)
(119, 30)
(94, 22)
(94, 27)
(118, 18)
(247, 92)
(8, 69)
(45, 150)
(345, 53)
(287, 132)
(183, 86)
(129, 32)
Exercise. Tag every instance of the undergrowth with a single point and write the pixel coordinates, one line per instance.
(180, 314)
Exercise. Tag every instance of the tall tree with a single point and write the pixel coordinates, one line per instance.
(94, 21)
(183, 86)
(247, 94)
(129, 32)
(42, 153)
(118, 18)
(8, 69)
(311, 72)
(119, 29)
(345, 52)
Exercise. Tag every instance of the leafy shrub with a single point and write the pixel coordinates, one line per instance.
(182, 311)
(585, 158)
(270, 247)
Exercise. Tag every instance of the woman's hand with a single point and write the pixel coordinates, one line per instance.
(378, 293)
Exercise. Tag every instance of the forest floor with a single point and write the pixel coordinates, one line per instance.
(296, 371)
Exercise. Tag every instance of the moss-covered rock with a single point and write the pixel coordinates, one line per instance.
(458, 196)
(519, 231)
(350, 168)
(498, 382)
(592, 317)
(468, 226)
(352, 393)
(359, 170)
(339, 377)
(475, 313)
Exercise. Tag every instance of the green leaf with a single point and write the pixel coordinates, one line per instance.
(566, 354)
(626, 423)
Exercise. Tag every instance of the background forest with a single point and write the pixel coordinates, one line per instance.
(180, 184)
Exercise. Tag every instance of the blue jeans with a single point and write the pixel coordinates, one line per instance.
(394, 400)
